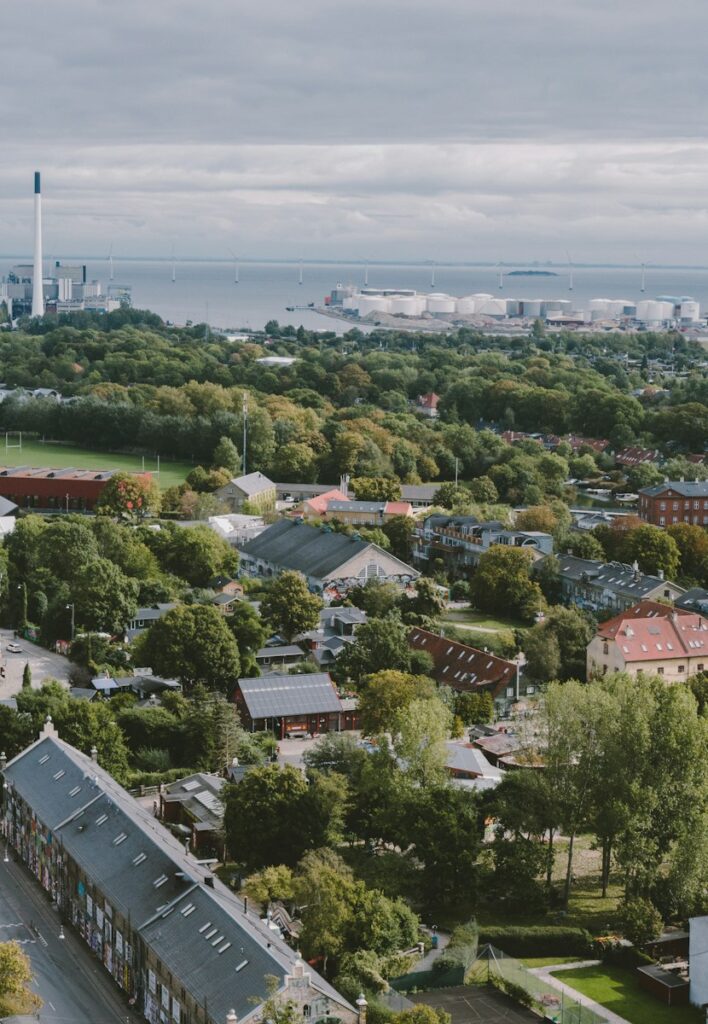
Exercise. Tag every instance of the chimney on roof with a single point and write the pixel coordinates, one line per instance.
(94, 754)
(231, 1017)
(49, 729)
(209, 881)
(3, 761)
(362, 1006)
(660, 573)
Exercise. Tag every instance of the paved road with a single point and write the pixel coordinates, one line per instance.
(44, 664)
(75, 988)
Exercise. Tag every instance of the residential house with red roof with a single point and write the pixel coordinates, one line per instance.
(427, 405)
(650, 639)
(467, 669)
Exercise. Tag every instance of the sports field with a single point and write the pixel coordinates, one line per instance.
(63, 456)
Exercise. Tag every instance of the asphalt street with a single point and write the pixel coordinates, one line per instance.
(44, 664)
(76, 989)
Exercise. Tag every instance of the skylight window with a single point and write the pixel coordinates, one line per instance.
(212, 933)
(160, 881)
(204, 927)
(75, 790)
(189, 909)
(59, 775)
(101, 818)
(120, 838)
(43, 760)
(139, 859)
(222, 949)
(241, 965)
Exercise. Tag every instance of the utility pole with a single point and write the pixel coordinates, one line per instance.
(457, 466)
(245, 431)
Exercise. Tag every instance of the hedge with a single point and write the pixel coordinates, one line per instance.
(136, 779)
(538, 940)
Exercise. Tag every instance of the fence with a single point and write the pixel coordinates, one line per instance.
(522, 985)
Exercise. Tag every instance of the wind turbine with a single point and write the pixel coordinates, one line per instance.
(236, 268)
(501, 275)
(110, 263)
(299, 277)
(570, 271)
(174, 265)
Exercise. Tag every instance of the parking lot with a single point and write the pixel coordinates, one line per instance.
(43, 664)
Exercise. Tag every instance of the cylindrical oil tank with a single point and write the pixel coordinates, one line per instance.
(531, 307)
(492, 307)
(372, 304)
(690, 311)
(465, 305)
(438, 302)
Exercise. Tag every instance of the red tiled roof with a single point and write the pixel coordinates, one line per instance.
(463, 667)
(651, 631)
(319, 503)
(634, 455)
(398, 508)
(429, 401)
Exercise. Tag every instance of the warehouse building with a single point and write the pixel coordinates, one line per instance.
(54, 490)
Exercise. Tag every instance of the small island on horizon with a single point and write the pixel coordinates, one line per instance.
(532, 273)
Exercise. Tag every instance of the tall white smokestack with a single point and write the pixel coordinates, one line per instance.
(37, 276)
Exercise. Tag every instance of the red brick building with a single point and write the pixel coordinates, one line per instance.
(675, 501)
(54, 490)
(465, 668)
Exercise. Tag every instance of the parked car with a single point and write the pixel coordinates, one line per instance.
(13, 648)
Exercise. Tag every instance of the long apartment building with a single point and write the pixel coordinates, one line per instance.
(460, 541)
(182, 946)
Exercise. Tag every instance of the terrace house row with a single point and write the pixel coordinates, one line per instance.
(176, 940)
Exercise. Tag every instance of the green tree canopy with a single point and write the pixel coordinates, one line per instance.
(289, 607)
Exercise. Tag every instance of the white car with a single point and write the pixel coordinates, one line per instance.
(13, 649)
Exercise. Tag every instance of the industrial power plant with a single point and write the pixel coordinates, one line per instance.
(382, 305)
(27, 290)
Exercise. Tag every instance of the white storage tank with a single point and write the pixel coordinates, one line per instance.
(350, 302)
(438, 302)
(513, 307)
(403, 305)
(492, 307)
(599, 306)
(651, 311)
(465, 305)
(482, 295)
(531, 307)
(371, 304)
(690, 312)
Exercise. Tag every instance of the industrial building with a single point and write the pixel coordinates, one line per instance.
(665, 310)
(54, 490)
(27, 290)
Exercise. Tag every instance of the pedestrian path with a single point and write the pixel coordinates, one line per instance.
(572, 993)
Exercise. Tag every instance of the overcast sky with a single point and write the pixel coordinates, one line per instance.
(413, 129)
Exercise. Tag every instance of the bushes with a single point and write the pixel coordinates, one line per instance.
(137, 779)
(538, 940)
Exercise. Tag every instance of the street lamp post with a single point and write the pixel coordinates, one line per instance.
(73, 613)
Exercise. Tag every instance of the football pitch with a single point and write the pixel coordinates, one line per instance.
(64, 456)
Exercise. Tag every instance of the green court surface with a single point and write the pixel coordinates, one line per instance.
(63, 456)
(617, 988)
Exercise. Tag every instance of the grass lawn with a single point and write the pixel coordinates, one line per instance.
(63, 456)
(619, 991)
(466, 618)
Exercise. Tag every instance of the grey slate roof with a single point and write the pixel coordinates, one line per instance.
(615, 576)
(685, 488)
(7, 507)
(286, 651)
(253, 483)
(307, 549)
(277, 696)
(356, 506)
(129, 871)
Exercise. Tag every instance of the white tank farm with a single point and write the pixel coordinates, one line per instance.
(371, 304)
(438, 302)
(651, 311)
(466, 305)
(690, 312)
(350, 302)
(531, 307)
(492, 307)
(406, 305)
